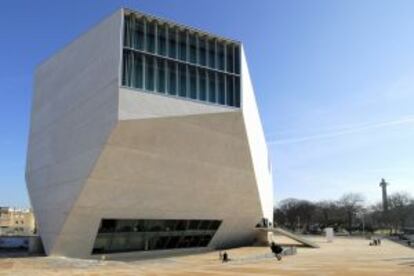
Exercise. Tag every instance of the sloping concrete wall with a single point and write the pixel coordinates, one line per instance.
(257, 142)
(75, 107)
(184, 167)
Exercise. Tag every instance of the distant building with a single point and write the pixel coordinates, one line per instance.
(16, 221)
(145, 137)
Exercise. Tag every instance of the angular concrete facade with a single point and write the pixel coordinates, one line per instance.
(100, 150)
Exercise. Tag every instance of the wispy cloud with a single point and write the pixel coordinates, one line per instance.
(345, 131)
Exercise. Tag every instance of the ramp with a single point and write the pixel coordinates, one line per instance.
(290, 235)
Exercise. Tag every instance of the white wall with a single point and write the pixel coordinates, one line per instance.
(74, 109)
(257, 141)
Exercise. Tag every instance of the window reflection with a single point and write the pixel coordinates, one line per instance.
(180, 62)
(121, 235)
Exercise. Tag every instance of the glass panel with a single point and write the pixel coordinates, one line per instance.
(149, 81)
(202, 51)
(229, 63)
(220, 55)
(172, 44)
(202, 83)
(230, 90)
(125, 226)
(237, 91)
(126, 68)
(237, 59)
(127, 31)
(172, 78)
(211, 53)
(221, 91)
(151, 36)
(137, 71)
(107, 226)
(119, 243)
(162, 40)
(138, 42)
(182, 80)
(102, 244)
(136, 241)
(160, 76)
(212, 87)
(193, 48)
(183, 45)
(140, 235)
(193, 82)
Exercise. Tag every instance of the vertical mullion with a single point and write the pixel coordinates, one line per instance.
(197, 83)
(187, 45)
(167, 40)
(177, 42)
(234, 58)
(187, 80)
(225, 56)
(156, 37)
(155, 77)
(144, 73)
(217, 87)
(166, 77)
(206, 73)
(207, 46)
(197, 49)
(177, 77)
(144, 21)
(234, 90)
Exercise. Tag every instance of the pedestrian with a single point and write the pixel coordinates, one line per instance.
(277, 250)
(225, 257)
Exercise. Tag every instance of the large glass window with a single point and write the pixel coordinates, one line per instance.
(151, 36)
(230, 61)
(119, 235)
(162, 39)
(237, 91)
(230, 90)
(132, 69)
(193, 48)
(193, 82)
(212, 53)
(183, 45)
(202, 85)
(237, 59)
(172, 78)
(161, 75)
(202, 51)
(149, 73)
(128, 30)
(172, 42)
(182, 80)
(199, 66)
(220, 56)
(221, 89)
(137, 72)
(211, 87)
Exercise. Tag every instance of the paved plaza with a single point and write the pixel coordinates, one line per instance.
(345, 256)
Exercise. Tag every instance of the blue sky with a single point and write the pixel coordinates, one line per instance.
(334, 82)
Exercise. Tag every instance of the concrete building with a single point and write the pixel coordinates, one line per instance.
(145, 137)
(14, 221)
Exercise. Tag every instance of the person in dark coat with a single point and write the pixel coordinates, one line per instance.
(277, 250)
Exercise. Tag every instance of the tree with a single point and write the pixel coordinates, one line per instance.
(399, 205)
(351, 203)
(294, 213)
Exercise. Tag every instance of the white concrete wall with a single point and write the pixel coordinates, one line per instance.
(257, 142)
(75, 106)
(99, 151)
(184, 167)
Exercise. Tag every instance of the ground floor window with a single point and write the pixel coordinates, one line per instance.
(122, 235)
